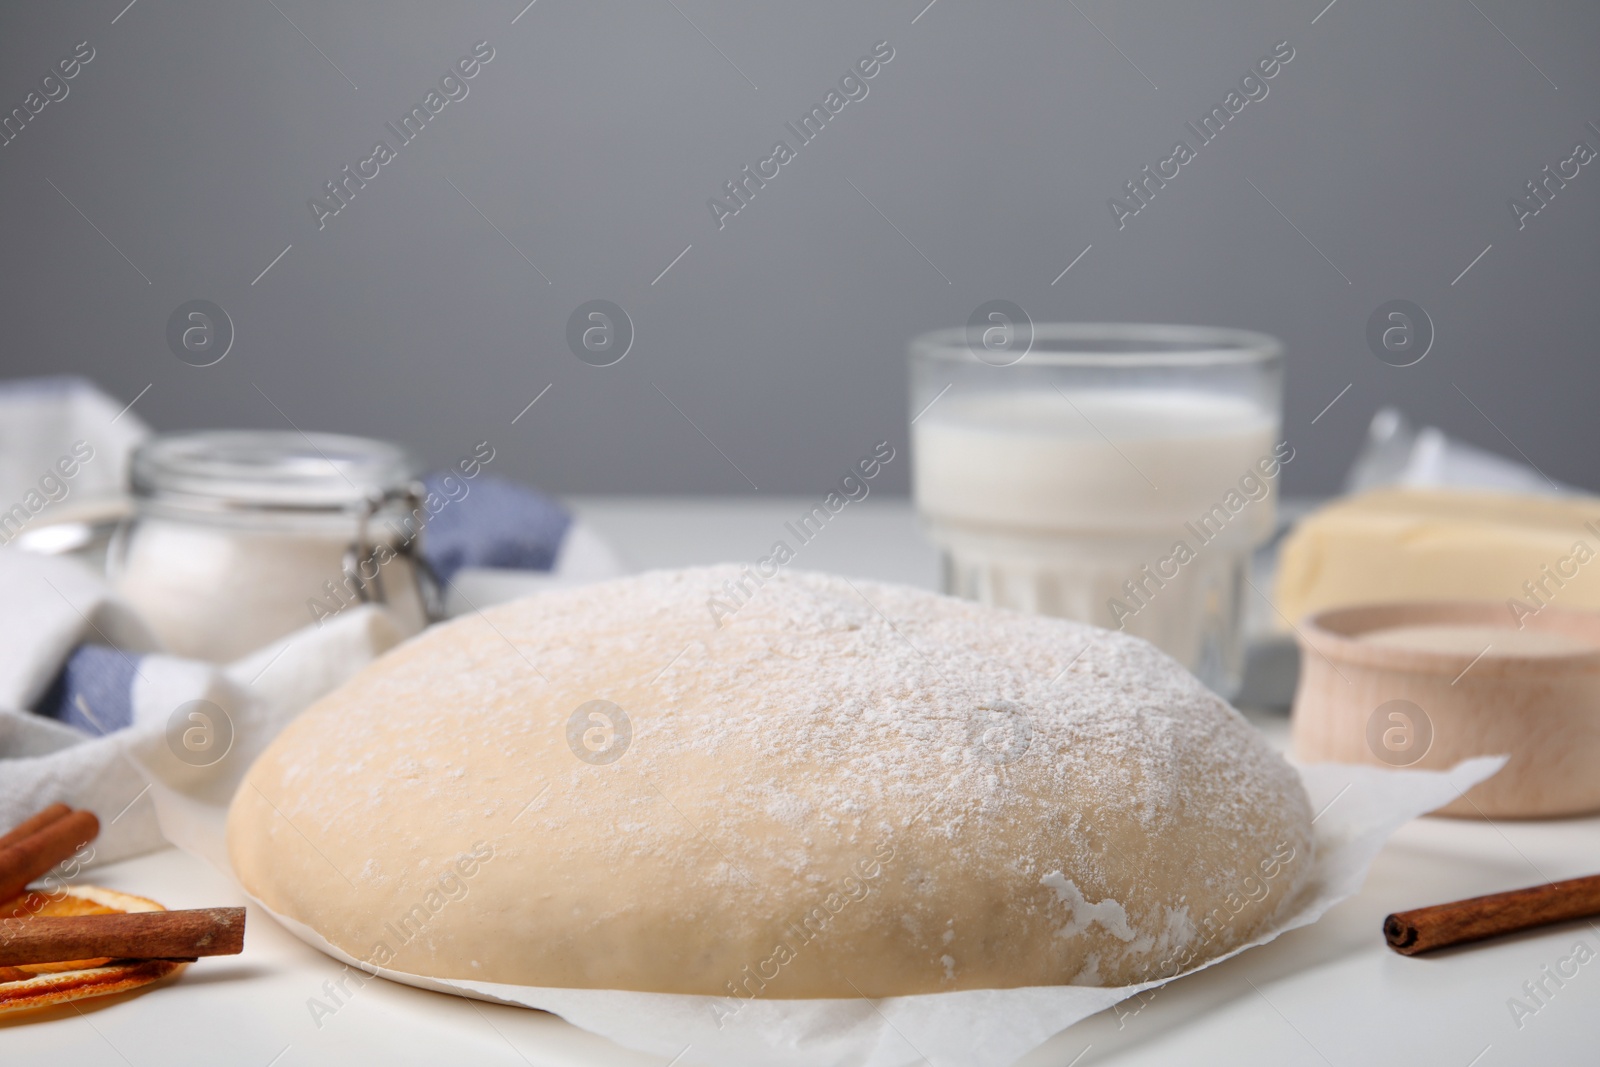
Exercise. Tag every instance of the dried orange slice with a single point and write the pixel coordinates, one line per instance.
(43, 985)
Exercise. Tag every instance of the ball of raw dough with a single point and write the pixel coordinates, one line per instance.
(710, 781)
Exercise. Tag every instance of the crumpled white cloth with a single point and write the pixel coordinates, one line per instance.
(49, 605)
(40, 419)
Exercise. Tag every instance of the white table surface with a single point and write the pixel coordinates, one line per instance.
(1331, 993)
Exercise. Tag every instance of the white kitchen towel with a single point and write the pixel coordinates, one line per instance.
(194, 726)
(48, 607)
(41, 419)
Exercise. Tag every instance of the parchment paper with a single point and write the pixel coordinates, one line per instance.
(1357, 808)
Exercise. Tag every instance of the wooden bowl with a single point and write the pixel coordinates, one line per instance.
(1364, 702)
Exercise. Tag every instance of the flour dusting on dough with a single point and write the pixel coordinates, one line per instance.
(840, 778)
(1080, 913)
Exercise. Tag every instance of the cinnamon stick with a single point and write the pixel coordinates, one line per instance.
(1461, 921)
(32, 824)
(136, 935)
(24, 860)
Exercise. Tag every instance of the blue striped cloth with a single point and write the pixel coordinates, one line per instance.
(94, 690)
(498, 523)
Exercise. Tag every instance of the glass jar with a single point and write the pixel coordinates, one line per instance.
(240, 537)
(1119, 475)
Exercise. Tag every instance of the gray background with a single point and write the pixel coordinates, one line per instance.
(196, 136)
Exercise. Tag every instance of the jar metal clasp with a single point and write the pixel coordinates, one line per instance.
(363, 570)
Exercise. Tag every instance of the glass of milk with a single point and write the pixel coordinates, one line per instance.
(1116, 474)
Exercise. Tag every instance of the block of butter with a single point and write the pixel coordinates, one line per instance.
(1393, 545)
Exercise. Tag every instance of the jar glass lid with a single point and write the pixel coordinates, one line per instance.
(267, 470)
